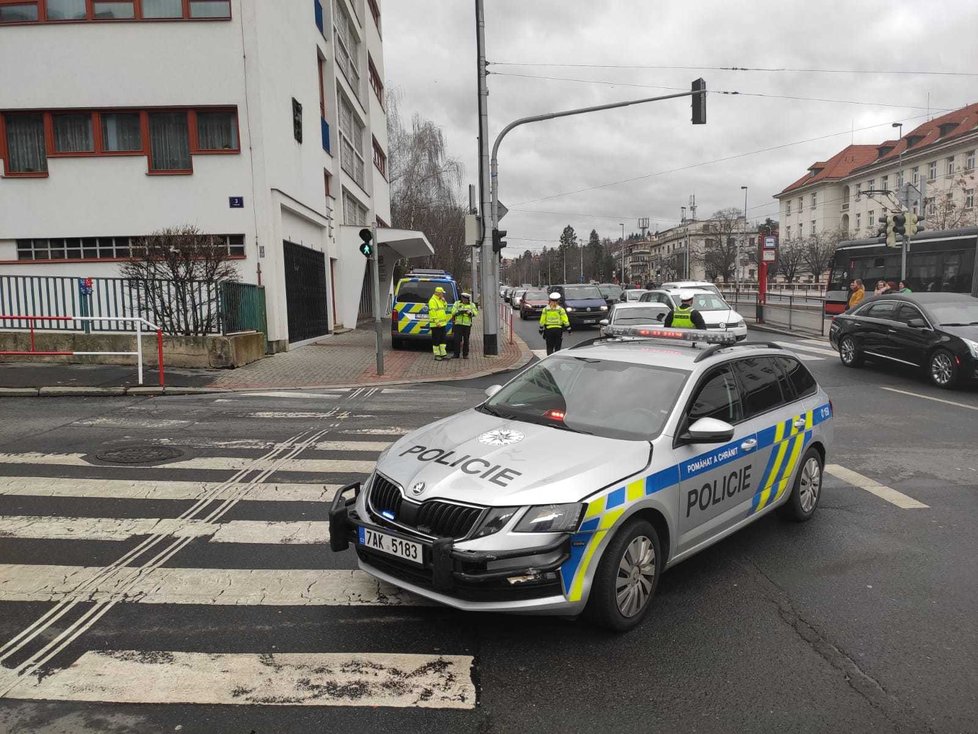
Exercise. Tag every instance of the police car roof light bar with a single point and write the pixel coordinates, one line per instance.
(688, 335)
(718, 347)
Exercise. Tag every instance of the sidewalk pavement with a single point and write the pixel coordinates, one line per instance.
(340, 360)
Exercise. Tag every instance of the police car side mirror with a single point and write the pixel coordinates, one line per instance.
(709, 430)
(604, 322)
(492, 390)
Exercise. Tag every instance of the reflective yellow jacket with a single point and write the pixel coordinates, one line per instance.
(554, 317)
(437, 315)
(463, 313)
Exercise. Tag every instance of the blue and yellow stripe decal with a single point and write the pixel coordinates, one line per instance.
(407, 325)
(604, 511)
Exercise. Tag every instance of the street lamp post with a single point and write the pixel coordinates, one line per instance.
(904, 204)
(622, 225)
(737, 264)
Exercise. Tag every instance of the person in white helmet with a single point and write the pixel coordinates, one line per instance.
(685, 316)
(553, 323)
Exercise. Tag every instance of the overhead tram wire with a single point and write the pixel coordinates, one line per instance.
(760, 69)
(793, 98)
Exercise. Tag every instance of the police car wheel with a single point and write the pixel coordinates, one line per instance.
(627, 577)
(943, 369)
(807, 490)
(849, 353)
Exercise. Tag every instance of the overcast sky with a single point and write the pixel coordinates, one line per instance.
(598, 170)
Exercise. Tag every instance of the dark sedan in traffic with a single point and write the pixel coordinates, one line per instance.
(936, 332)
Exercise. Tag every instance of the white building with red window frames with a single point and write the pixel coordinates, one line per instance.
(262, 122)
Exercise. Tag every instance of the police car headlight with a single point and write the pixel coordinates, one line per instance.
(972, 347)
(604, 308)
(551, 519)
(569, 309)
(736, 324)
(495, 521)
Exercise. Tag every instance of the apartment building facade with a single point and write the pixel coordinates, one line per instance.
(680, 253)
(260, 122)
(930, 170)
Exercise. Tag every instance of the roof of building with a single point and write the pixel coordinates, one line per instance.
(838, 166)
(852, 158)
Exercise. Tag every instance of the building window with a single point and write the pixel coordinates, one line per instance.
(801, 204)
(100, 248)
(375, 83)
(59, 11)
(380, 159)
(787, 232)
(969, 198)
(354, 213)
(162, 9)
(375, 12)
(787, 207)
(813, 226)
(915, 175)
(347, 46)
(26, 152)
(169, 141)
(859, 191)
(949, 166)
(871, 184)
(969, 160)
(73, 133)
(351, 142)
(121, 132)
(859, 224)
(900, 179)
(885, 183)
(871, 217)
(217, 131)
(814, 200)
(801, 229)
(19, 13)
(328, 182)
(929, 206)
(932, 170)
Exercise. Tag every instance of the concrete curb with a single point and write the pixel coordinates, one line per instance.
(72, 391)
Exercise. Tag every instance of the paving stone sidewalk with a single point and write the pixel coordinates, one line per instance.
(350, 359)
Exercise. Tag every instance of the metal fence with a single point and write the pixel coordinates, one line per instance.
(180, 308)
(794, 312)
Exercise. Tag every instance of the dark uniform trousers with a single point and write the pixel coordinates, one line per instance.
(553, 337)
(462, 334)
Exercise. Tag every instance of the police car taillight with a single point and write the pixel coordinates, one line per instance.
(689, 335)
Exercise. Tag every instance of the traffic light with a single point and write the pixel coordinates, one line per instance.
(699, 102)
(498, 243)
(367, 246)
(900, 224)
(915, 223)
(890, 232)
(884, 224)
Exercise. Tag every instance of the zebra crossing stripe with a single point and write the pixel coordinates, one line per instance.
(273, 679)
(113, 529)
(204, 586)
(224, 463)
(143, 490)
(819, 348)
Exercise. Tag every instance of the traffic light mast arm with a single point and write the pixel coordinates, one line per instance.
(493, 168)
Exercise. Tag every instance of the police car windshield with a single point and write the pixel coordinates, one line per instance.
(639, 315)
(421, 291)
(605, 398)
(581, 292)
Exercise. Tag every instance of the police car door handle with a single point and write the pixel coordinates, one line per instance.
(800, 423)
(749, 445)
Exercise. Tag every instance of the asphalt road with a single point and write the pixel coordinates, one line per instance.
(242, 620)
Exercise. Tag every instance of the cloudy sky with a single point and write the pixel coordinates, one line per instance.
(839, 85)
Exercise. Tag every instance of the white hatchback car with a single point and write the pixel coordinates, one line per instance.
(716, 313)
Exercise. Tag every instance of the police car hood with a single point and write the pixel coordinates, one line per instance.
(479, 458)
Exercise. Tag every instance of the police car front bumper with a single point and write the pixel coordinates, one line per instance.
(525, 580)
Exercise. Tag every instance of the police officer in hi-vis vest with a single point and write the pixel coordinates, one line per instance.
(437, 321)
(463, 312)
(685, 316)
(553, 323)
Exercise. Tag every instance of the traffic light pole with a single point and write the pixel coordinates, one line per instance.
(378, 322)
(490, 274)
(494, 168)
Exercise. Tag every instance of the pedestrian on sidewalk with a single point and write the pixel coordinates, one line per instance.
(553, 323)
(463, 312)
(437, 323)
(904, 288)
(858, 292)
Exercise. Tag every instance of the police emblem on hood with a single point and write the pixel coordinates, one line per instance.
(501, 437)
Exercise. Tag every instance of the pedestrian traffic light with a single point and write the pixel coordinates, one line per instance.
(367, 246)
(699, 102)
(915, 223)
(498, 243)
(900, 224)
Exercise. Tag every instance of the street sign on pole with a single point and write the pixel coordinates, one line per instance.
(501, 211)
(770, 256)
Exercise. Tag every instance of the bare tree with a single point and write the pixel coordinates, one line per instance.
(721, 233)
(176, 276)
(817, 251)
(425, 188)
(944, 211)
(791, 256)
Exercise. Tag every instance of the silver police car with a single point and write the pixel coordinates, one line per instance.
(573, 487)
